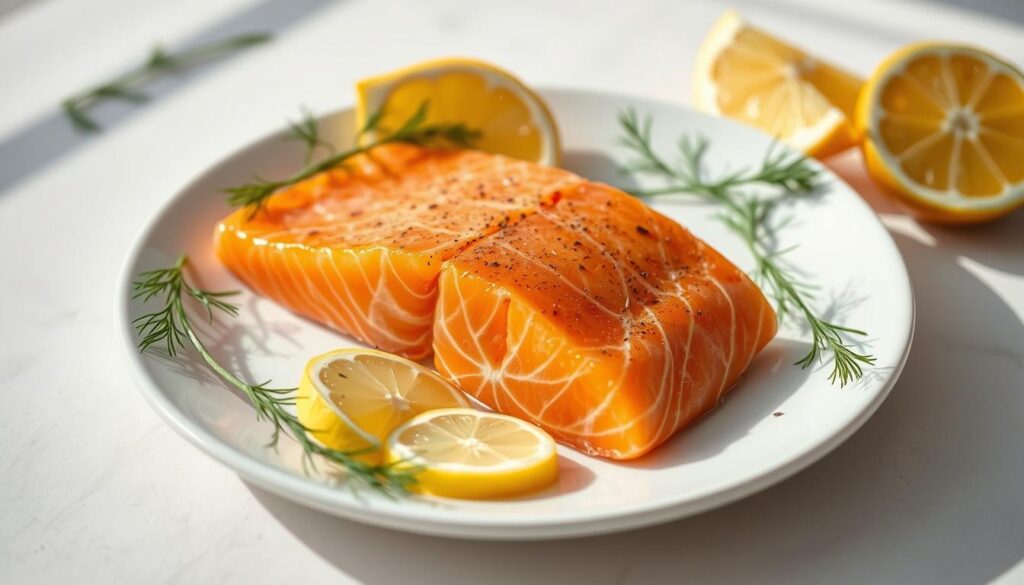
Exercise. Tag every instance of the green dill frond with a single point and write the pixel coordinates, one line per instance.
(413, 130)
(171, 325)
(754, 220)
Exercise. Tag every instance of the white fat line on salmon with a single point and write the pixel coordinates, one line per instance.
(284, 276)
(469, 327)
(587, 422)
(325, 312)
(358, 319)
(383, 295)
(532, 374)
(561, 391)
(251, 277)
(371, 313)
(443, 324)
(686, 363)
(732, 335)
(394, 272)
(665, 386)
(268, 276)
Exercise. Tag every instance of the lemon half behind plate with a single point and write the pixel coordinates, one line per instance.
(745, 73)
(513, 119)
(943, 128)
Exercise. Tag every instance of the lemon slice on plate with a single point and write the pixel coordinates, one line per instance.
(744, 73)
(944, 131)
(514, 120)
(466, 453)
(350, 399)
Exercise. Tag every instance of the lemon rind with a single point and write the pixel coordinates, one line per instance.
(375, 90)
(402, 452)
(816, 139)
(948, 200)
(323, 393)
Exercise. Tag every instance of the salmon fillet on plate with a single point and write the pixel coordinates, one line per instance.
(547, 297)
(599, 319)
(359, 248)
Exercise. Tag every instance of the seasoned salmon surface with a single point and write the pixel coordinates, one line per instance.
(547, 297)
(600, 320)
(359, 249)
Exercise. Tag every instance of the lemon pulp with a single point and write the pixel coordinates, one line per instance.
(351, 399)
(513, 119)
(944, 131)
(465, 453)
(745, 73)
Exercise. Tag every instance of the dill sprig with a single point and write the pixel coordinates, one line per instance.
(414, 130)
(307, 131)
(126, 87)
(172, 326)
(754, 220)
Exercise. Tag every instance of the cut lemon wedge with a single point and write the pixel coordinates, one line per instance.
(350, 399)
(466, 453)
(943, 130)
(744, 73)
(514, 120)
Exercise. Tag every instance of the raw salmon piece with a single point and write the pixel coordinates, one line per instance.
(359, 249)
(600, 320)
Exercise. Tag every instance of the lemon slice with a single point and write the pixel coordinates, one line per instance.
(351, 399)
(514, 120)
(944, 131)
(746, 74)
(466, 453)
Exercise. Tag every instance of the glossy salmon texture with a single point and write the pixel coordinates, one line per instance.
(359, 249)
(605, 323)
(559, 301)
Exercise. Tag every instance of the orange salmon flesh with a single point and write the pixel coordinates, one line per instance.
(547, 297)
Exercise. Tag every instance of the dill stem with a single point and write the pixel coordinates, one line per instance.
(267, 406)
(173, 321)
(413, 131)
(186, 325)
(333, 161)
(326, 164)
(751, 219)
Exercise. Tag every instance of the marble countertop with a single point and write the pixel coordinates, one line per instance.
(95, 488)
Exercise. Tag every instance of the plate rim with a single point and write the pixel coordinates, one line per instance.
(425, 520)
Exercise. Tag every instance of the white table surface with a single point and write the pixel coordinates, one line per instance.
(95, 488)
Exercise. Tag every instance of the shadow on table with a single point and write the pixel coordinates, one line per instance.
(998, 245)
(1003, 9)
(930, 490)
(47, 139)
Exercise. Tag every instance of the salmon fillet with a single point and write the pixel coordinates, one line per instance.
(563, 302)
(359, 249)
(600, 320)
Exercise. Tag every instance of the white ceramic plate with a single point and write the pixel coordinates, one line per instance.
(777, 421)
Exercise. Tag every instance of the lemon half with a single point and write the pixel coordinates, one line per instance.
(466, 453)
(514, 120)
(943, 130)
(744, 73)
(350, 399)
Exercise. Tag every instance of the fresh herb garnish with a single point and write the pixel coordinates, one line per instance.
(753, 219)
(171, 326)
(414, 130)
(126, 87)
(307, 131)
